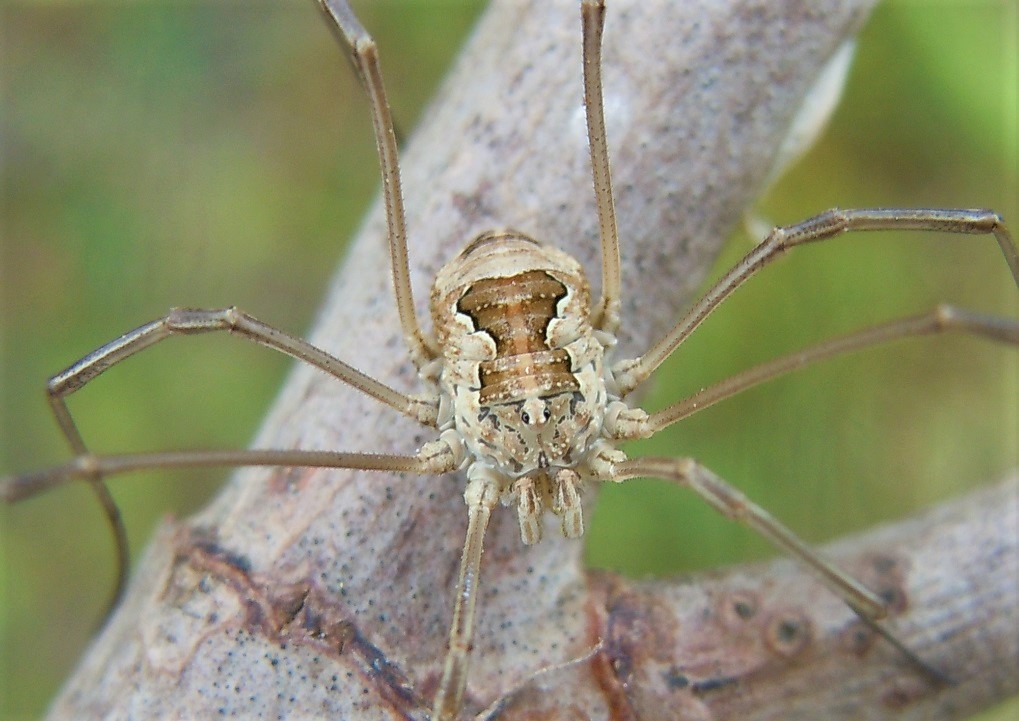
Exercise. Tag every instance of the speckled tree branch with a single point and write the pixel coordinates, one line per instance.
(310, 594)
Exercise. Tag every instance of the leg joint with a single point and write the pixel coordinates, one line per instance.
(198, 320)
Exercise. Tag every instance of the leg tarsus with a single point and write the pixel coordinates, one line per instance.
(732, 503)
(496, 707)
(119, 531)
(735, 505)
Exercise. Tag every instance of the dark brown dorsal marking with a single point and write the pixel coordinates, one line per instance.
(515, 312)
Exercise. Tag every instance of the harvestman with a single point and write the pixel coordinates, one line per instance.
(518, 388)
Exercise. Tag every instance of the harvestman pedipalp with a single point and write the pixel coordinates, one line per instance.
(556, 372)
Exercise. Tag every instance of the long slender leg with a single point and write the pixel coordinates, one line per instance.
(606, 313)
(434, 458)
(829, 224)
(939, 320)
(443, 456)
(365, 58)
(481, 496)
(496, 708)
(733, 504)
(191, 322)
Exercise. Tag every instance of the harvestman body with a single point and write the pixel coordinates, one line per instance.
(520, 391)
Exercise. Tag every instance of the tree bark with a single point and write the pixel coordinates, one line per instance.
(328, 594)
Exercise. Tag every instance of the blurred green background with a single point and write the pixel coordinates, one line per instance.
(208, 154)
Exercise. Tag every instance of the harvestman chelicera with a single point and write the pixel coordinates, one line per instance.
(518, 388)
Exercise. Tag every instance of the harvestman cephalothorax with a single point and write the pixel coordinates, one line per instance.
(519, 391)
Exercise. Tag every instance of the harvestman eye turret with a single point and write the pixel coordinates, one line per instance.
(520, 391)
